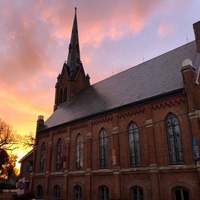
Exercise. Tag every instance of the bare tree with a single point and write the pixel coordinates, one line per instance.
(8, 138)
(29, 140)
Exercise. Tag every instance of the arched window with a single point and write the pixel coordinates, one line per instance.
(79, 153)
(65, 94)
(78, 193)
(174, 140)
(181, 194)
(61, 96)
(39, 192)
(103, 143)
(59, 155)
(137, 193)
(104, 193)
(134, 145)
(56, 192)
(42, 157)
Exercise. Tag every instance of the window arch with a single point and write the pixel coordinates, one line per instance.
(59, 155)
(78, 192)
(137, 193)
(174, 140)
(42, 157)
(56, 192)
(79, 153)
(181, 194)
(39, 192)
(103, 193)
(134, 145)
(103, 144)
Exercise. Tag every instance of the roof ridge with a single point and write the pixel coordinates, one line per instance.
(137, 65)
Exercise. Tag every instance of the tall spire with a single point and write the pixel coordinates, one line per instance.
(73, 60)
(72, 78)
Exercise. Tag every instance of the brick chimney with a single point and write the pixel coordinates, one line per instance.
(40, 123)
(189, 77)
(196, 28)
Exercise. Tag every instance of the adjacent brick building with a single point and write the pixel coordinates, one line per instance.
(26, 168)
(132, 136)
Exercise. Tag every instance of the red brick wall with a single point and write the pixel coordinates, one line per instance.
(156, 175)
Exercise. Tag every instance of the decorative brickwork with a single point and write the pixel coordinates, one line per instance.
(102, 120)
(169, 103)
(131, 113)
(79, 126)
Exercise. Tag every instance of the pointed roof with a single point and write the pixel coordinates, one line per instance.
(145, 82)
(73, 60)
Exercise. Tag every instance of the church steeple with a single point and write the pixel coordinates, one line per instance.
(72, 78)
(73, 60)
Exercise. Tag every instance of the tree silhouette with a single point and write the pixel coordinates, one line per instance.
(8, 138)
(4, 158)
(8, 143)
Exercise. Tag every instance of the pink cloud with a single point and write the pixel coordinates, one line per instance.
(34, 38)
(165, 29)
(106, 21)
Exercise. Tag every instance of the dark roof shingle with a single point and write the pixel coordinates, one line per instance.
(154, 77)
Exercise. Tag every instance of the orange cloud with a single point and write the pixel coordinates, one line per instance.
(34, 44)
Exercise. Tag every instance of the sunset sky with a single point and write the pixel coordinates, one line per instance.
(114, 35)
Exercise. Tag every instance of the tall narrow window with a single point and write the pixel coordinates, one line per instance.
(59, 155)
(104, 193)
(103, 149)
(182, 194)
(78, 193)
(65, 94)
(42, 157)
(56, 192)
(134, 146)
(137, 193)
(39, 192)
(61, 96)
(174, 140)
(79, 153)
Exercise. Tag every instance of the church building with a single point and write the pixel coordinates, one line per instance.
(132, 136)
